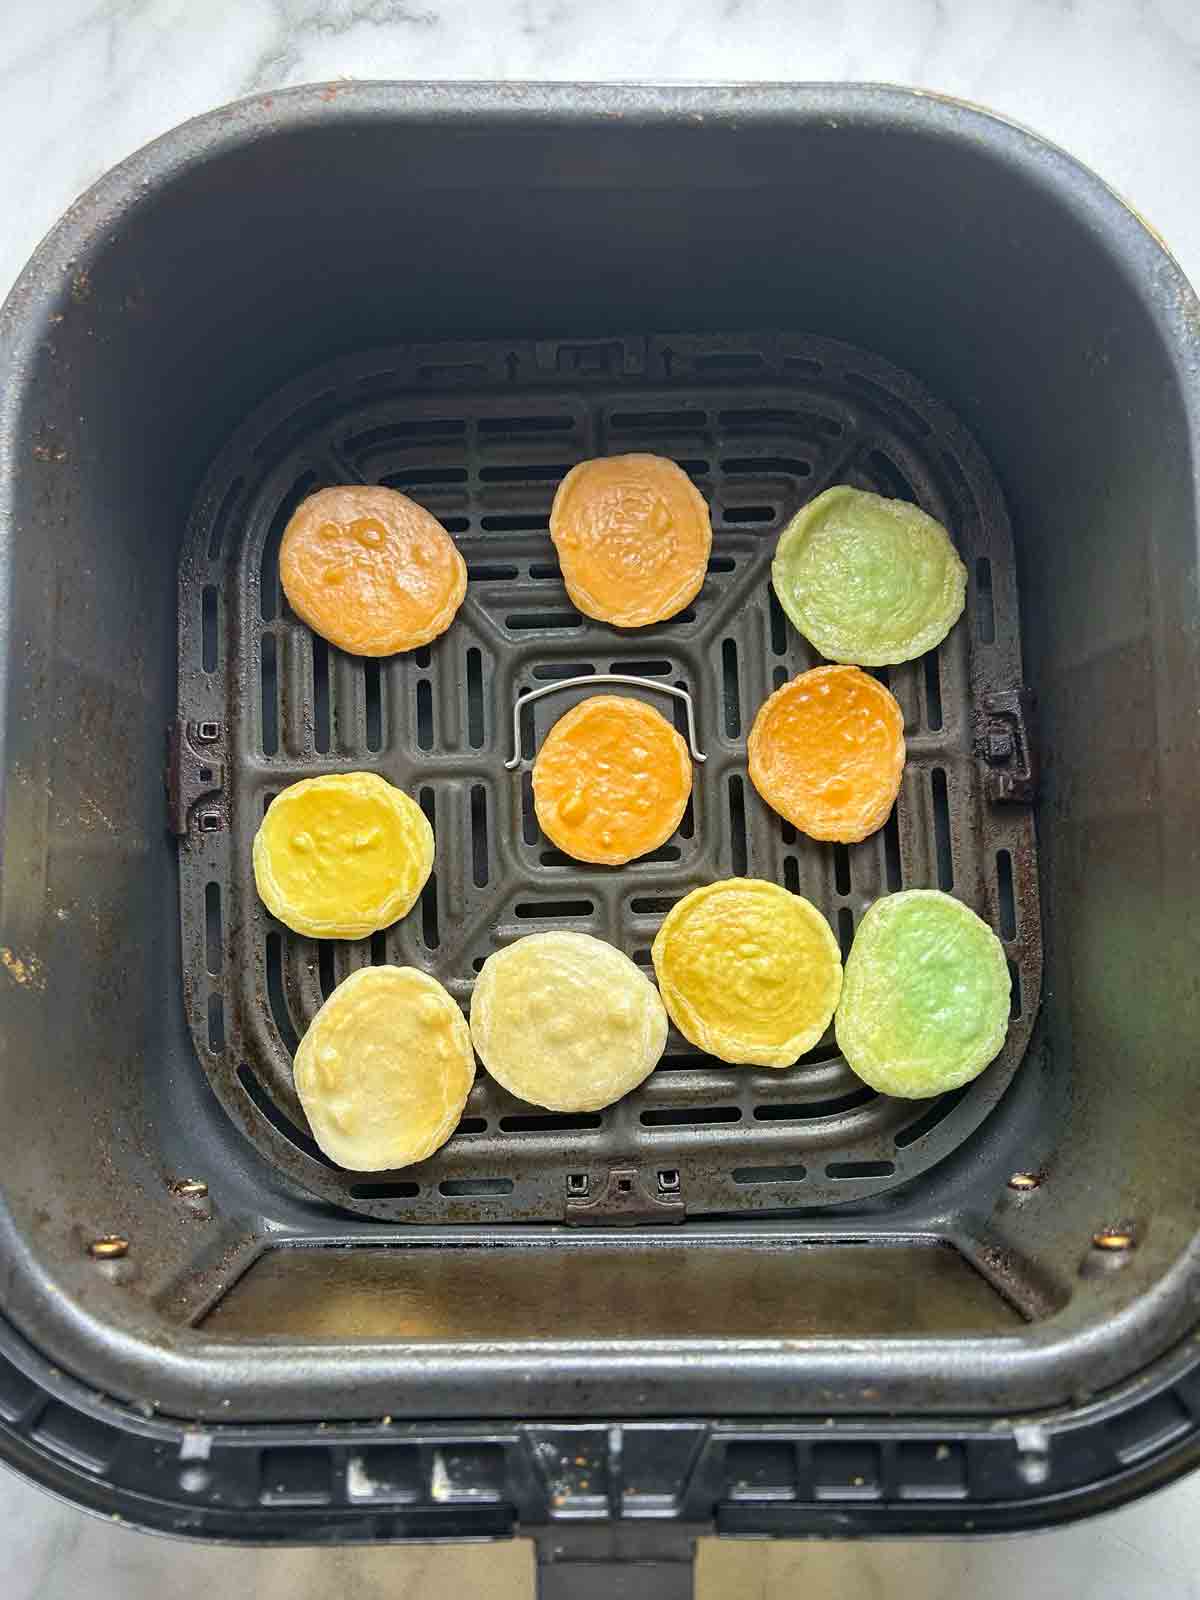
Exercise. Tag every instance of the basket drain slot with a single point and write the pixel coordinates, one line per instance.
(941, 828)
(1006, 895)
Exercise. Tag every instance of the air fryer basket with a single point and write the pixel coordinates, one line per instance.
(760, 1302)
(263, 703)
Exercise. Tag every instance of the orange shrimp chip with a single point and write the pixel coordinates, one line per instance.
(633, 538)
(827, 753)
(611, 781)
(370, 570)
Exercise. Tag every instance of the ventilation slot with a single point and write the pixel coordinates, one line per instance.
(424, 477)
(841, 868)
(941, 828)
(657, 421)
(651, 905)
(429, 895)
(517, 522)
(769, 1174)
(270, 695)
(778, 622)
(529, 826)
(479, 838)
(721, 564)
(687, 1116)
(643, 958)
(738, 514)
(213, 942)
(475, 699)
(471, 1125)
(791, 874)
(845, 928)
(326, 974)
(495, 572)
(643, 669)
(555, 670)
(424, 714)
(1014, 1003)
(379, 948)
(492, 425)
(733, 698)
(891, 851)
(813, 1110)
(268, 589)
(985, 605)
(320, 661)
(860, 1169)
(373, 702)
(396, 432)
(525, 473)
(737, 827)
(422, 656)
(554, 908)
(930, 1119)
(476, 1186)
(1007, 898)
(522, 621)
(216, 1024)
(891, 403)
(384, 1191)
(281, 1123)
(792, 466)
(209, 640)
(890, 479)
(933, 692)
(276, 995)
(550, 1123)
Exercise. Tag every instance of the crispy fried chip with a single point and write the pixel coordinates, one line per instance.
(370, 570)
(868, 580)
(384, 1071)
(565, 1021)
(748, 972)
(827, 752)
(611, 780)
(925, 1003)
(633, 538)
(342, 856)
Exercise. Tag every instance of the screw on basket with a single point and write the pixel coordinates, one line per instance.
(1113, 1239)
(190, 1188)
(1023, 1182)
(110, 1248)
(531, 695)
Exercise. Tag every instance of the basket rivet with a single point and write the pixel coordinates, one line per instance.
(1023, 1182)
(1113, 1239)
(111, 1248)
(191, 1188)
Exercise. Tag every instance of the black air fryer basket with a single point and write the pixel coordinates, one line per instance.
(743, 1301)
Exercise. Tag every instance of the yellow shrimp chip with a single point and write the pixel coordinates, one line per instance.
(385, 1069)
(926, 1001)
(611, 780)
(342, 856)
(868, 580)
(748, 972)
(565, 1021)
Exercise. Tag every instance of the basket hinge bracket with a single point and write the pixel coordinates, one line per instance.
(623, 1198)
(195, 774)
(1006, 744)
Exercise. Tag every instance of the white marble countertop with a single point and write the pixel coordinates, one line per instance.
(1117, 82)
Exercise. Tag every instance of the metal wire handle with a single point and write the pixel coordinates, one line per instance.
(531, 695)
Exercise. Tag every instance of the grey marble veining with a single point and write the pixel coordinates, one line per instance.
(85, 82)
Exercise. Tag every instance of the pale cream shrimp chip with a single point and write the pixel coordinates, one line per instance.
(385, 1069)
(565, 1021)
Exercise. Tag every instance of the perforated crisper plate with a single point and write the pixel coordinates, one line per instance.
(481, 435)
